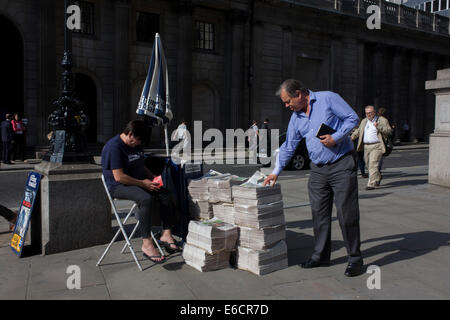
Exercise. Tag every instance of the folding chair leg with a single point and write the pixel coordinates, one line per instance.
(157, 244)
(131, 237)
(121, 229)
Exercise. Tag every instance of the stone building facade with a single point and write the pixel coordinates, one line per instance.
(226, 59)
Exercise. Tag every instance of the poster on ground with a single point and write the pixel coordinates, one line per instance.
(25, 211)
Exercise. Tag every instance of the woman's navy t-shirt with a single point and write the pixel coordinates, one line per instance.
(117, 155)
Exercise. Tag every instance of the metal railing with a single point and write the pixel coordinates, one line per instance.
(391, 13)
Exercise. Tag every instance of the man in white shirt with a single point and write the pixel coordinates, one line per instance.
(371, 132)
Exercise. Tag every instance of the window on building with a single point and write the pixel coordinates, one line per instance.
(205, 35)
(87, 17)
(435, 5)
(147, 25)
(443, 5)
(428, 6)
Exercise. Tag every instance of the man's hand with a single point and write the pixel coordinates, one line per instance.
(149, 185)
(327, 140)
(271, 179)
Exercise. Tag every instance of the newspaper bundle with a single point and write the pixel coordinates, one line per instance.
(220, 187)
(212, 235)
(198, 197)
(261, 262)
(259, 216)
(261, 239)
(203, 261)
(224, 212)
(209, 243)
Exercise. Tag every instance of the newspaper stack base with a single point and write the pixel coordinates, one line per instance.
(203, 261)
(262, 262)
(261, 239)
(212, 235)
(224, 212)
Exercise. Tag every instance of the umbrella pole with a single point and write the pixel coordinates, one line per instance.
(167, 139)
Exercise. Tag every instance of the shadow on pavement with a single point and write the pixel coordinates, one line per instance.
(402, 247)
(404, 183)
(373, 195)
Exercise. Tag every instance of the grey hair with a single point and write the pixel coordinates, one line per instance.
(291, 86)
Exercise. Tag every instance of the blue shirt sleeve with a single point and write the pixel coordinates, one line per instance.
(287, 149)
(344, 112)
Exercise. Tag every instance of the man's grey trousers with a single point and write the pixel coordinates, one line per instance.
(337, 180)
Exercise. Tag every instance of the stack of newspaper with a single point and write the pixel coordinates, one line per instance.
(203, 261)
(198, 196)
(225, 212)
(261, 262)
(262, 232)
(209, 243)
(220, 188)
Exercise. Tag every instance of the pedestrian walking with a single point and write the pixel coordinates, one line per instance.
(18, 129)
(371, 134)
(7, 138)
(264, 137)
(253, 133)
(333, 168)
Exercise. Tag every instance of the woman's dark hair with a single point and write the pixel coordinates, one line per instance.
(137, 128)
(291, 86)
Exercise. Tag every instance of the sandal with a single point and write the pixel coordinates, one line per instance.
(169, 248)
(152, 258)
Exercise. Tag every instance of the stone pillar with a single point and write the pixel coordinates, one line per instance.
(183, 108)
(397, 64)
(288, 71)
(413, 96)
(439, 169)
(255, 70)
(75, 211)
(429, 117)
(378, 75)
(238, 19)
(121, 66)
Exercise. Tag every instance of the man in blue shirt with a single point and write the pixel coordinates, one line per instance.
(127, 177)
(333, 168)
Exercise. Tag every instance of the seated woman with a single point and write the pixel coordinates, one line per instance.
(127, 177)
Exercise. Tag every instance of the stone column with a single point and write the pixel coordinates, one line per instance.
(439, 169)
(183, 107)
(397, 64)
(413, 96)
(378, 75)
(255, 70)
(288, 70)
(121, 66)
(429, 117)
(238, 19)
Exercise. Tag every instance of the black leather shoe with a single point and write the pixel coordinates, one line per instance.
(354, 269)
(314, 264)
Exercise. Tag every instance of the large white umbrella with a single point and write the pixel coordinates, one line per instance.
(155, 100)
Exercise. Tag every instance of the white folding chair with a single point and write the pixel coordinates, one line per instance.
(122, 229)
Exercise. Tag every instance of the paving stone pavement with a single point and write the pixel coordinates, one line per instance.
(404, 231)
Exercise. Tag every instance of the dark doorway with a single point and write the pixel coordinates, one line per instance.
(11, 66)
(86, 91)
